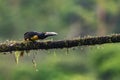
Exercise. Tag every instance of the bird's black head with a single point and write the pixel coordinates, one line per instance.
(43, 35)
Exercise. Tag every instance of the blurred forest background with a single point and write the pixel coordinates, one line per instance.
(70, 19)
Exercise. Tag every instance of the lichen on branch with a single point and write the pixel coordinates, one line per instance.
(59, 44)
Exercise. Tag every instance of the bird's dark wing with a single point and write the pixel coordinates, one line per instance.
(29, 35)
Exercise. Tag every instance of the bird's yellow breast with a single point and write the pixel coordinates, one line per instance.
(35, 37)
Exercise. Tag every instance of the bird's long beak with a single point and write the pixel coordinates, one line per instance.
(51, 33)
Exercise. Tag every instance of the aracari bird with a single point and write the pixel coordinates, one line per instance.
(33, 36)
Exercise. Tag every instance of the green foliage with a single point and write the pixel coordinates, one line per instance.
(99, 62)
(106, 62)
(49, 68)
(17, 17)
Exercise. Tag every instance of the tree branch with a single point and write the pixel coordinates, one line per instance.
(22, 46)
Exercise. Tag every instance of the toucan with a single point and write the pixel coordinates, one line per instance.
(33, 35)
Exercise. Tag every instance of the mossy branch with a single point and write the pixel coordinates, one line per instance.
(22, 46)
